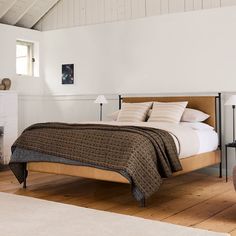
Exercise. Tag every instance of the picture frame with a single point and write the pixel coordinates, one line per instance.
(67, 74)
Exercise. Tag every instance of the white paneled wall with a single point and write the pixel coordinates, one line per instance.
(176, 6)
(211, 3)
(69, 13)
(72, 109)
(197, 4)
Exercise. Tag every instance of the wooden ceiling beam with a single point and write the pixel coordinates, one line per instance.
(13, 22)
(29, 23)
(6, 7)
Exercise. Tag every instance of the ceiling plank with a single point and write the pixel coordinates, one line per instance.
(33, 16)
(17, 11)
(13, 22)
(6, 7)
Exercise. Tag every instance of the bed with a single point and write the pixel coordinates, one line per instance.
(201, 158)
(208, 104)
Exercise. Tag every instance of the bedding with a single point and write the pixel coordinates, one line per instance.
(189, 115)
(208, 141)
(170, 112)
(114, 115)
(144, 155)
(190, 138)
(197, 125)
(134, 112)
(193, 115)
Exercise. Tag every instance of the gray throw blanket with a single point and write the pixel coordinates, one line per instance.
(143, 155)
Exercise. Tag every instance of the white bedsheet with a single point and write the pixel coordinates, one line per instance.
(188, 141)
(208, 140)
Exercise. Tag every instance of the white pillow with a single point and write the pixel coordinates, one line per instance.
(114, 115)
(197, 125)
(193, 115)
(134, 112)
(167, 112)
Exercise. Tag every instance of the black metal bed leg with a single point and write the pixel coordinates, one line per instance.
(143, 202)
(25, 175)
(220, 167)
(219, 130)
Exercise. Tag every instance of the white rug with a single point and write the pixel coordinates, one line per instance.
(25, 216)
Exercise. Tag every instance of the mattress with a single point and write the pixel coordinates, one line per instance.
(189, 141)
(208, 140)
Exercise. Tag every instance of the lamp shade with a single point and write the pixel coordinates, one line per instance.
(101, 99)
(231, 101)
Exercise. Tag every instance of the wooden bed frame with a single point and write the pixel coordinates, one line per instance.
(208, 104)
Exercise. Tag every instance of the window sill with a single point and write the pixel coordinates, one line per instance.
(27, 76)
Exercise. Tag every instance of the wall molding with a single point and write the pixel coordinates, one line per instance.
(86, 97)
(74, 97)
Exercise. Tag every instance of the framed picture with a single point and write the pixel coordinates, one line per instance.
(68, 74)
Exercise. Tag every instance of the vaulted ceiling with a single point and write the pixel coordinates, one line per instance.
(55, 14)
(24, 13)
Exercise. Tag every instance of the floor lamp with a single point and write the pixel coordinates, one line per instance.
(101, 99)
(232, 102)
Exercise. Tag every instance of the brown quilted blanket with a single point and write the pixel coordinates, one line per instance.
(143, 155)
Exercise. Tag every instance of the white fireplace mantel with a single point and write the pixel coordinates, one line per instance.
(9, 122)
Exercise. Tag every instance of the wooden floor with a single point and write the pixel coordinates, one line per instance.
(194, 199)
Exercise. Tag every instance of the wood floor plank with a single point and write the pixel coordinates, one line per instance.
(224, 221)
(233, 233)
(180, 200)
(193, 199)
(111, 204)
(204, 210)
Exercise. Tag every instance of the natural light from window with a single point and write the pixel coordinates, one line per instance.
(24, 58)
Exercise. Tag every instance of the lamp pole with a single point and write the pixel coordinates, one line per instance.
(101, 100)
(233, 106)
(100, 111)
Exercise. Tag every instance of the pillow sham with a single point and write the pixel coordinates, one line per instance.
(167, 112)
(197, 125)
(133, 112)
(114, 115)
(193, 115)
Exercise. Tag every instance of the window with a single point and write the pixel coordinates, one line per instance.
(24, 58)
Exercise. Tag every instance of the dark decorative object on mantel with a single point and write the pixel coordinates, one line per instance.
(5, 84)
(68, 74)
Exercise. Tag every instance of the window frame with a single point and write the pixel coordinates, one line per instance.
(30, 56)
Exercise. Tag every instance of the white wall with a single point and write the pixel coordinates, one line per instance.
(22, 84)
(70, 13)
(33, 109)
(8, 37)
(189, 52)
